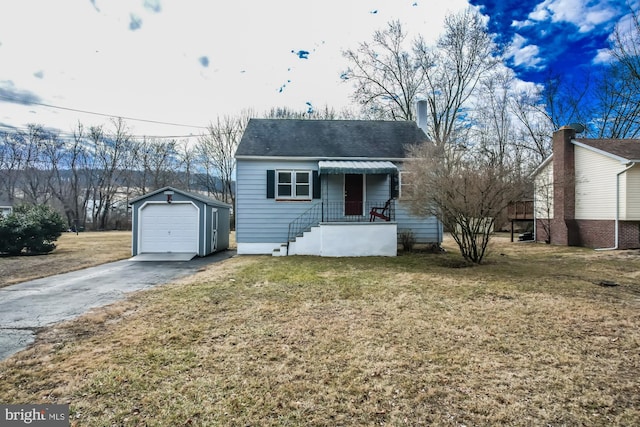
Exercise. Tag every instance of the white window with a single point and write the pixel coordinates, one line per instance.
(292, 184)
(406, 186)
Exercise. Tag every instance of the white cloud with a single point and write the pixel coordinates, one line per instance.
(524, 54)
(585, 15)
(603, 56)
(627, 30)
(521, 24)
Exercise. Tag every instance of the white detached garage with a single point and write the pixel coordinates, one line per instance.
(172, 221)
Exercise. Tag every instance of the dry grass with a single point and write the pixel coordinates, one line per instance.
(73, 252)
(420, 339)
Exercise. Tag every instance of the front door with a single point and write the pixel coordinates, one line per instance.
(353, 194)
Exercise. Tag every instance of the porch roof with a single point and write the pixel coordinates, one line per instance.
(356, 166)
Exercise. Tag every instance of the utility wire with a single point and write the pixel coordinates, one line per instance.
(66, 134)
(8, 98)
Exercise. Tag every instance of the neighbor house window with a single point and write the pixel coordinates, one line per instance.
(293, 184)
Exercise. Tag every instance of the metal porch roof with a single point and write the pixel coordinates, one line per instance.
(356, 166)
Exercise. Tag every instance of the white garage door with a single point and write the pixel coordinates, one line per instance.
(169, 228)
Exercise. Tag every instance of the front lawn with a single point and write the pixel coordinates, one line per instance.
(530, 338)
(73, 252)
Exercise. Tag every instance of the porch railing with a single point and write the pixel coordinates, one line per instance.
(308, 219)
(340, 211)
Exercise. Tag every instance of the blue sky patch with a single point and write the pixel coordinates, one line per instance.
(551, 36)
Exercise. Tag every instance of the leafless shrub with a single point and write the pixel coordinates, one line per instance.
(465, 190)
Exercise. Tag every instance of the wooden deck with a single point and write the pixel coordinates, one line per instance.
(521, 211)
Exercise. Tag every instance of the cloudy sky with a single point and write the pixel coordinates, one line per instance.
(169, 67)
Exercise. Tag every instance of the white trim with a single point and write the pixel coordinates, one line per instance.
(544, 163)
(616, 231)
(214, 229)
(400, 174)
(145, 204)
(317, 159)
(294, 183)
(257, 248)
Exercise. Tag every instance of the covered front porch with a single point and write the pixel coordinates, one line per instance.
(356, 215)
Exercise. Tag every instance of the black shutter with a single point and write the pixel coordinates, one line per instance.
(271, 184)
(395, 185)
(317, 193)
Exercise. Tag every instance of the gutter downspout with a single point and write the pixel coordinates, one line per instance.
(617, 220)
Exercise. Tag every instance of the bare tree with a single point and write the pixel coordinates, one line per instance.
(112, 152)
(217, 150)
(159, 161)
(11, 163)
(78, 162)
(543, 202)
(464, 55)
(465, 190)
(188, 162)
(625, 45)
(386, 74)
(35, 176)
(535, 126)
(492, 118)
(617, 104)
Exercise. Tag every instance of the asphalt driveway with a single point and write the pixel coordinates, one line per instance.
(28, 306)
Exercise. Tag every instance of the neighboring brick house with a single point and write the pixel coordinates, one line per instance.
(587, 193)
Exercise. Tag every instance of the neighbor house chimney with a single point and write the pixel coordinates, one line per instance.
(564, 229)
(421, 115)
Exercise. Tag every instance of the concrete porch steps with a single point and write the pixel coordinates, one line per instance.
(282, 250)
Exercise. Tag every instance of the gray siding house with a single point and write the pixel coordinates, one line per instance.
(325, 187)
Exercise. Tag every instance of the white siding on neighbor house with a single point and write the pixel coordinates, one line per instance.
(630, 189)
(543, 193)
(596, 185)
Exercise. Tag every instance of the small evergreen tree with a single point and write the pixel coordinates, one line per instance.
(31, 229)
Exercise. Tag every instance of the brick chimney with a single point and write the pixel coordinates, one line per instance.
(564, 229)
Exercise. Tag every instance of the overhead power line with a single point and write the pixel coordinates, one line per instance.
(8, 98)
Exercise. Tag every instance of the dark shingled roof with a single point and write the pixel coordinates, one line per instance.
(328, 138)
(626, 148)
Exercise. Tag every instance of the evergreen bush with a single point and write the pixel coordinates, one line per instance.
(30, 229)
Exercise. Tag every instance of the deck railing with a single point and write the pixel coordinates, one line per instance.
(340, 211)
